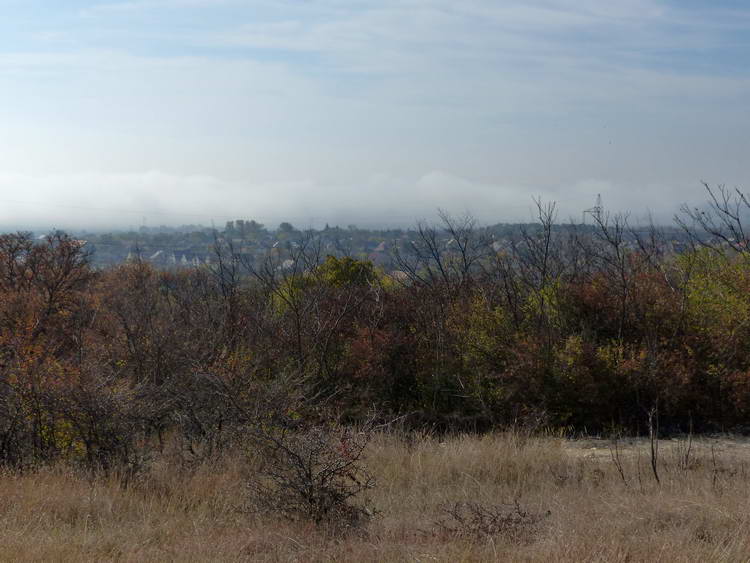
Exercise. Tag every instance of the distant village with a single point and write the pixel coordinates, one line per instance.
(196, 245)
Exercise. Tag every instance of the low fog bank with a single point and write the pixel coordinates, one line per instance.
(96, 201)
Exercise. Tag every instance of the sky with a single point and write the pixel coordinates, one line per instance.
(369, 112)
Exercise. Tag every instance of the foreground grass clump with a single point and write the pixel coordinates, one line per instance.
(541, 499)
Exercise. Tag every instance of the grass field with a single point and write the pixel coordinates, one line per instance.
(576, 501)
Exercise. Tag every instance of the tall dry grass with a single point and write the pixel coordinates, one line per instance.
(587, 510)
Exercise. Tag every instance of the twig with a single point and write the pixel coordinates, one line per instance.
(653, 432)
(614, 452)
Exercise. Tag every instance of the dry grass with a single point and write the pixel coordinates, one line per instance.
(698, 513)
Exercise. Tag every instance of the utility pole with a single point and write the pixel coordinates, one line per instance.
(595, 212)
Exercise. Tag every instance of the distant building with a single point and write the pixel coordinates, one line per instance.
(399, 276)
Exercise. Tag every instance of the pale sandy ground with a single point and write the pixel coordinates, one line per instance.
(723, 444)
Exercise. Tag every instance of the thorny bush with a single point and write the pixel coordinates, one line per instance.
(315, 474)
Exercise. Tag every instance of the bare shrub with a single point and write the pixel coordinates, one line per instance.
(474, 520)
(106, 422)
(314, 474)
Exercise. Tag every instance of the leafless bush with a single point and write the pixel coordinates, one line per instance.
(475, 520)
(313, 474)
(106, 422)
(722, 224)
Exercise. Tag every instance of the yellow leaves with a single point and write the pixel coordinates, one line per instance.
(717, 291)
(334, 272)
(346, 271)
(483, 331)
(62, 436)
(611, 355)
(572, 351)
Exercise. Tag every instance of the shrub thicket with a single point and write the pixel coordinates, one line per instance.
(592, 327)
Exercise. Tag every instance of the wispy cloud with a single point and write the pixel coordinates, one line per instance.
(114, 7)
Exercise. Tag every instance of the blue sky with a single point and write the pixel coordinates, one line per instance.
(363, 111)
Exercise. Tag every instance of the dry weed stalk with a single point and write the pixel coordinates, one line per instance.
(614, 452)
(653, 434)
(474, 520)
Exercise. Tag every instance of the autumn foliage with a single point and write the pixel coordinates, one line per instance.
(581, 331)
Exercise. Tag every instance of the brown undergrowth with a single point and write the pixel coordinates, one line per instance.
(501, 496)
